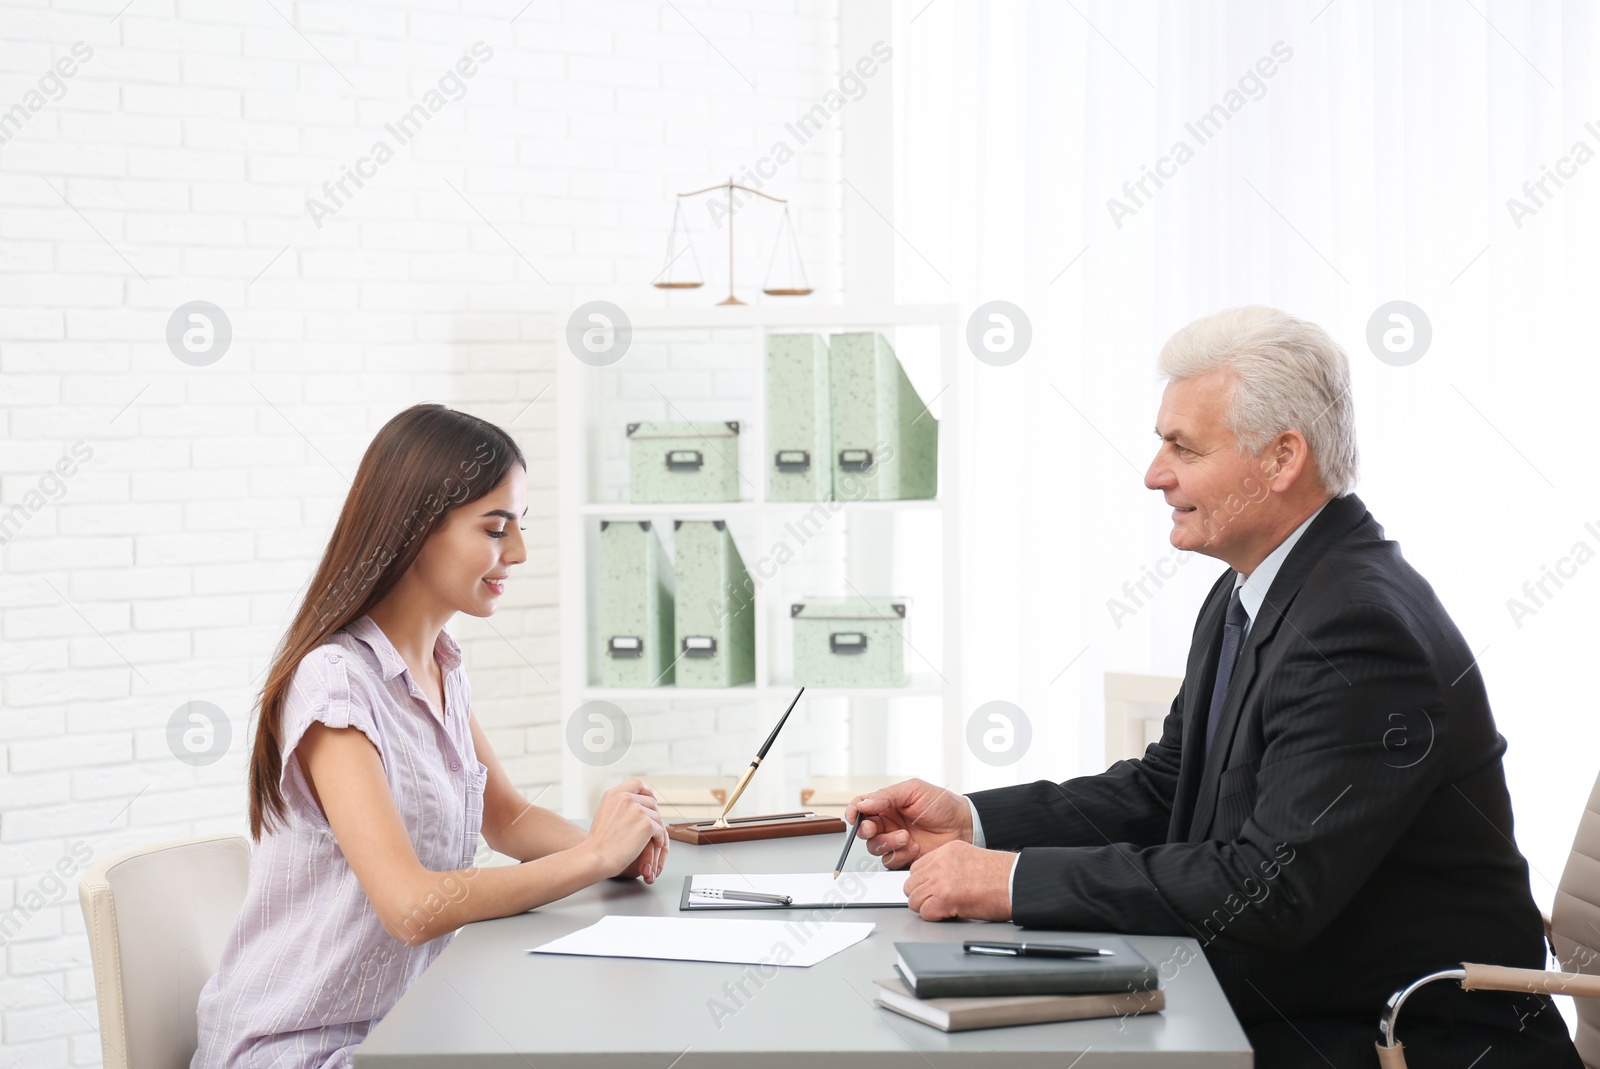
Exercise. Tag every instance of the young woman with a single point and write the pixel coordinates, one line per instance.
(371, 779)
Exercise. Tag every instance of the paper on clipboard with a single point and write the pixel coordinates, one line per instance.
(809, 890)
(748, 942)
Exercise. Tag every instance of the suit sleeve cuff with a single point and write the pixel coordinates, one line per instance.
(977, 824)
(978, 840)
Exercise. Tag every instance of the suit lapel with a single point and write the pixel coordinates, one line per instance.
(1202, 669)
(1338, 519)
(1244, 676)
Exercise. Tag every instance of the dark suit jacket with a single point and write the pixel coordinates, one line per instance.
(1349, 832)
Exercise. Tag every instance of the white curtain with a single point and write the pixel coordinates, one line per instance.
(1375, 163)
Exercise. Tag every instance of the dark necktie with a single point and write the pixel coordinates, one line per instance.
(1232, 639)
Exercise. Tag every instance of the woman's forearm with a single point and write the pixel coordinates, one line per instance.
(441, 902)
(536, 833)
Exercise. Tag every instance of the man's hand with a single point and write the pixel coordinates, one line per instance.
(960, 880)
(909, 820)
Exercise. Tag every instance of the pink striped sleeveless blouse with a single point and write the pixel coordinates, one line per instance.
(309, 969)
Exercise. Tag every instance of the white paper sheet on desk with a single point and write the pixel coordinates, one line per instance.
(810, 890)
(749, 942)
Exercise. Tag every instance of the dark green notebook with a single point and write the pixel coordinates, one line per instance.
(944, 970)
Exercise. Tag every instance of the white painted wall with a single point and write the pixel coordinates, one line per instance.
(175, 164)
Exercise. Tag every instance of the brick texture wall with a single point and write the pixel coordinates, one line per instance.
(388, 204)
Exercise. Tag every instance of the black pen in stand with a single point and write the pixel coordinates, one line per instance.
(744, 780)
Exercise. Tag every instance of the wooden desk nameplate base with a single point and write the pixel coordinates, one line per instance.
(744, 829)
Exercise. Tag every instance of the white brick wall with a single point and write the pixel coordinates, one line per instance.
(163, 569)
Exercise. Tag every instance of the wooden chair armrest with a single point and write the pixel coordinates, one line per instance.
(1503, 978)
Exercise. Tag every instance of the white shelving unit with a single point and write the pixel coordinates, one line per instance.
(585, 392)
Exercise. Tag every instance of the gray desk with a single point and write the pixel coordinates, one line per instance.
(486, 1002)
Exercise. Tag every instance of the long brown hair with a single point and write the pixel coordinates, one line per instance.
(425, 461)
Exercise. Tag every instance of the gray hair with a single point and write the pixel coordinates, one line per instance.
(1291, 375)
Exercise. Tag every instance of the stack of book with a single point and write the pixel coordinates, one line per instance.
(954, 988)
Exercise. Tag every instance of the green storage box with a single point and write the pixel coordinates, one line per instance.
(849, 642)
(885, 441)
(715, 610)
(799, 458)
(636, 587)
(677, 462)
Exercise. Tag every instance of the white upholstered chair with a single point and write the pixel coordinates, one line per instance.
(1136, 708)
(157, 919)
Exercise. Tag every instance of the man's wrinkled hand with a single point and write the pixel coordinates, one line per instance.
(960, 880)
(910, 820)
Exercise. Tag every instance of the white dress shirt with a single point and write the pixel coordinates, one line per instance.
(1252, 593)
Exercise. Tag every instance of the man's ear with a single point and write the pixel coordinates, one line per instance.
(1285, 461)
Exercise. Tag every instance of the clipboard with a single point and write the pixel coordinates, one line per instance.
(746, 829)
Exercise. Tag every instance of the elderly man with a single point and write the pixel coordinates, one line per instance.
(1326, 811)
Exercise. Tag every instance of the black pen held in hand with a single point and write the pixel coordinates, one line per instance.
(849, 838)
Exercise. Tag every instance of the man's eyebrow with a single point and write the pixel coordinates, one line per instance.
(1176, 437)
